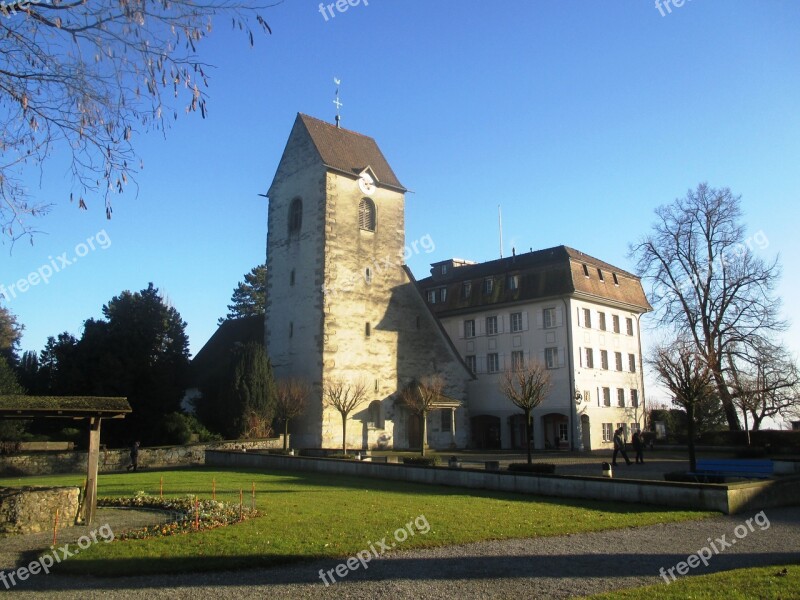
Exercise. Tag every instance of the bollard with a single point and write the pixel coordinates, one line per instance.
(607, 470)
(214, 488)
(161, 487)
(55, 529)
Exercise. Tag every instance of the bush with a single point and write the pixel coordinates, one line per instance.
(684, 477)
(342, 456)
(752, 452)
(541, 468)
(421, 461)
(174, 430)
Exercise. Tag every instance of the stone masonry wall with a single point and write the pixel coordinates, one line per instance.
(32, 510)
(117, 460)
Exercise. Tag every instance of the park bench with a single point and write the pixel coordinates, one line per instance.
(728, 467)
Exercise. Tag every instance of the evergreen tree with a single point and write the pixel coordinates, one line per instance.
(250, 296)
(250, 392)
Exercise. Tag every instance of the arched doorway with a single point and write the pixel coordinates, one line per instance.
(518, 435)
(556, 431)
(413, 426)
(586, 432)
(485, 432)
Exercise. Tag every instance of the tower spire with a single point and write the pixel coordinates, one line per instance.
(337, 102)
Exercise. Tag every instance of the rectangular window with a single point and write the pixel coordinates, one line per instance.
(620, 397)
(466, 289)
(549, 318)
(491, 325)
(516, 322)
(447, 419)
(587, 396)
(632, 363)
(629, 326)
(634, 428)
(587, 318)
(469, 328)
(608, 434)
(615, 323)
(431, 296)
(551, 358)
(444, 269)
(472, 363)
(492, 362)
(635, 398)
(442, 294)
(589, 358)
(488, 286)
(614, 275)
(513, 282)
(600, 275)
(602, 318)
(562, 432)
(618, 360)
(604, 359)
(517, 360)
(606, 396)
(585, 271)
(624, 427)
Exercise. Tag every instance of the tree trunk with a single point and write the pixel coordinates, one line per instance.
(344, 433)
(424, 429)
(746, 428)
(728, 406)
(528, 433)
(285, 433)
(690, 428)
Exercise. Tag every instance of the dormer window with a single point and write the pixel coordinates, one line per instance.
(513, 282)
(444, 269)
(466, 289)
(600, 275)
(488, 285)
(614, 275)
(585, 271)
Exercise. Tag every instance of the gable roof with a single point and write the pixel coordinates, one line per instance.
(217, 349)
(547, 273)
(348, 151)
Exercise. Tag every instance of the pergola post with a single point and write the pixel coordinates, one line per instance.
(90, 502)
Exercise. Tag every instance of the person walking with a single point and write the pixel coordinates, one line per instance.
(134, 457)
(619, 446)
(638, 445)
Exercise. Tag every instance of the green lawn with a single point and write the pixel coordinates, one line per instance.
(739, 584)
(308, 516)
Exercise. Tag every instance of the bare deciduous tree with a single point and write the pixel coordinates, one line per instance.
(345, 397)
(707, 282)
(526, 387)
(86, 77)
(765, 383)
(687, 376)
(291, 398)
(420, 398)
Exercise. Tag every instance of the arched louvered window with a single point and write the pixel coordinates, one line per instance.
(295, 215)
(366, 214)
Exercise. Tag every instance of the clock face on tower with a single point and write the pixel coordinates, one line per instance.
(365, 183)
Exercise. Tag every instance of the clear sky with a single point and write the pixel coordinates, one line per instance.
(578, 117)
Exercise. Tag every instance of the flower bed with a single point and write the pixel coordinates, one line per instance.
(210, 514)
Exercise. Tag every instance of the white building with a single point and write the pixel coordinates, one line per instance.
(574, 313)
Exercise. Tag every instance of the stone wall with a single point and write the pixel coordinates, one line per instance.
(117, 460)
(33, 510)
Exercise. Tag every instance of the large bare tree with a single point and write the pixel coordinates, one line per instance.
(345, 397)
(526, 385)
(420, 397)
(86, 77)
(687, 376)
(290, 402)
(708, 284)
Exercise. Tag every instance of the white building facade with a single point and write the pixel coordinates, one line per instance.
(577, 315)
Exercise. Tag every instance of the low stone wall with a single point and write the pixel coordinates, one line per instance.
(118, 460)
(33, 510)
(725, 498)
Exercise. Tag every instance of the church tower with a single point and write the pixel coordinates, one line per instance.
(340, 302)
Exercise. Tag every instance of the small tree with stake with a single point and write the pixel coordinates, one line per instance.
(688, 377)
(290, 402)
(526, 386)
(421, 397)
(345, 398)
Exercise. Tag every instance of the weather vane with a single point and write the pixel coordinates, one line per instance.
(337, 102)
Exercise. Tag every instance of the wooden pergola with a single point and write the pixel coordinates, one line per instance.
(90, 408)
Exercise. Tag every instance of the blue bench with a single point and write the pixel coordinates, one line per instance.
(728, 467)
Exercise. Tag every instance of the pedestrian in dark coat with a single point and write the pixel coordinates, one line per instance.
(619, 446)
(134, 457)
(638, 445)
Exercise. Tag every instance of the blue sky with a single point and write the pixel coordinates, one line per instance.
(578, 117)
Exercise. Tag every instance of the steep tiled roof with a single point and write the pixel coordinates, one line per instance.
(217, 349)
(541, 274)
(348, 151)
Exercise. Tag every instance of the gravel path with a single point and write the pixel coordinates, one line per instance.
(557, 567)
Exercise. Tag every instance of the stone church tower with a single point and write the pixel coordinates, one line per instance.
(340, 301)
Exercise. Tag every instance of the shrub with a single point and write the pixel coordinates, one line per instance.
(343, 456)
(541, 468)
(421, 461)
(751, 452)
(685, 477)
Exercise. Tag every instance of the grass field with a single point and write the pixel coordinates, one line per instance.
(306, 516)
(739, 584)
